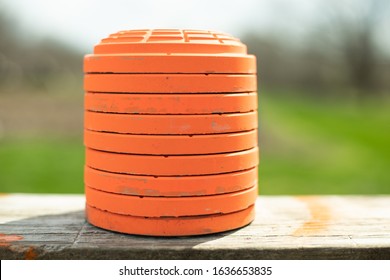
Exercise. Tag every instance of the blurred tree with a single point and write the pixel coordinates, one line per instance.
(27, 63)
(353, 27)
(287, 68)
(342, 48)
(7, 46)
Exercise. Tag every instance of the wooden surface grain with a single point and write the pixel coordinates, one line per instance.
(286, 227)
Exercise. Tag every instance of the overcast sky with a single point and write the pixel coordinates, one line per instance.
(82, 23)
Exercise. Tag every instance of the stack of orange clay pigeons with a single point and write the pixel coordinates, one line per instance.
(170, 133)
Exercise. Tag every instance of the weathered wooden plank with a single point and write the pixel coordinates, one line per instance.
(307, 227)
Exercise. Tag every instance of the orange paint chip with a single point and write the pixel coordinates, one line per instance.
(171, 103)
(172, 165)
(146, 206)
(170, 144)
(170, 124)
(30, 254)
(7, 239)
(170, 186)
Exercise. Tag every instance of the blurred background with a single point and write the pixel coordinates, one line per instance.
(324, 86)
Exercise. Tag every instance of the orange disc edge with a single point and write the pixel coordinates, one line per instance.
(184, 226)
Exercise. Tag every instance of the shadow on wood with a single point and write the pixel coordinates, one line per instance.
(69, 236)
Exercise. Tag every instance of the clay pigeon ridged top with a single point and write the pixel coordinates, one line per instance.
(169, 41)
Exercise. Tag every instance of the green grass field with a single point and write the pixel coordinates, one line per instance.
(325, 147)
(307, 147)
(41, 165)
